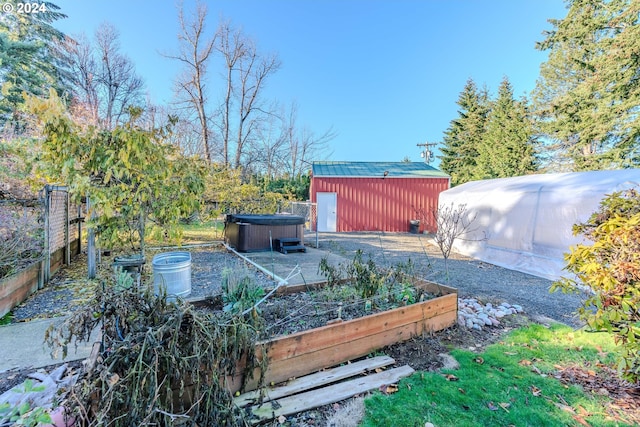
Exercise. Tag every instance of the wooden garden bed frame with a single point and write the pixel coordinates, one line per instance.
(308, 351)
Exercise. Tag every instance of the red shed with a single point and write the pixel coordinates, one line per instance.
(380, 196)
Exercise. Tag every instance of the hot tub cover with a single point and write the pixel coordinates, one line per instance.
(266, 219)
(525, 223)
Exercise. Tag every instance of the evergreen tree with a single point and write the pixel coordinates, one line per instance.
(465, 134)
(588, 94)
(29, 59)
(507, 147)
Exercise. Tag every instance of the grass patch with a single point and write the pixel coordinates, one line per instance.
(187, 234)
(203, 232)
(6, 319)
(510, 383)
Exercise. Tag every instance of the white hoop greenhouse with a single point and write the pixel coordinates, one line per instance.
(525, 223)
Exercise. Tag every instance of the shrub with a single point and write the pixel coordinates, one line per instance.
(610, 267)
(162, 364)
(239, 291)
(20, 240)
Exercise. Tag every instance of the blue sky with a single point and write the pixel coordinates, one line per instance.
(385, 75)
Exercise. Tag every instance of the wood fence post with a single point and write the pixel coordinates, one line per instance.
(47, 236)
(91, 244)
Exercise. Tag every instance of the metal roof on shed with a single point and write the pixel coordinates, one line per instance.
(376, 169)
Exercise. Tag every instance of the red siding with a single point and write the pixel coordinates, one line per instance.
(377, 204)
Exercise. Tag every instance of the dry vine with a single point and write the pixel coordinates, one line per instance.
(162, 364)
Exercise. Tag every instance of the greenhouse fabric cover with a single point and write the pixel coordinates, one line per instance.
(525, 223)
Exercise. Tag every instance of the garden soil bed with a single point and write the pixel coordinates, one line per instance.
(306, 334)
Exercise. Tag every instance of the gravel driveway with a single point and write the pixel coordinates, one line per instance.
(472, 278)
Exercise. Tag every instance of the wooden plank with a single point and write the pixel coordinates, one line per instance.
(308, 351)
(316, 380)
(16, 288)
(326, 336)
(327, 395)
(281, 370)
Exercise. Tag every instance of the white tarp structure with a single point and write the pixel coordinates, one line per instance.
(525, 223)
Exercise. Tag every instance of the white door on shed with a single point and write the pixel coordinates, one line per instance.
(327, 208)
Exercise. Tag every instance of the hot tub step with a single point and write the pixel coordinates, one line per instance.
(295, 248)
(289, 244)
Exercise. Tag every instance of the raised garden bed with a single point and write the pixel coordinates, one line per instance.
(177, 360)
(307, 351)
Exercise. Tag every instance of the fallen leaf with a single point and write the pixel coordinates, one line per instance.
(113, 380)
(535, 391)
(564, 407)
(525, 362)
(282, 419)
(479, 360)
(583, 412)
(389, 389)
(505, 406)
(378, 370)
(409, 387)
(451, 377)
(581, 421)
(392, 388)
(492, 407)
(461, 390)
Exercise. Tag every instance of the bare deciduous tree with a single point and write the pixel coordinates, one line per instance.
(195, 52)
(82, 73)
(121, 87)
(246, 74)
(303, 145)
(452, 222)
(253, 73)
(270, 148)
(104, 80)
(231, 46)
(249, 132)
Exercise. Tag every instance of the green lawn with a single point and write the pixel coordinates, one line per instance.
(512, 383)
(202, 232)
(187, 234)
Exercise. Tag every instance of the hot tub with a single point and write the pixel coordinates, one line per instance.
(247, 233)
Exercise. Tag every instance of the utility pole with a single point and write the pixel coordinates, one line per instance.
(426, 153)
